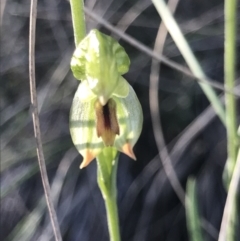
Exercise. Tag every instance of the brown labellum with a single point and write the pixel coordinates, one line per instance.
(106, 123)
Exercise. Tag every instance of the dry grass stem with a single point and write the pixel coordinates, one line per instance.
(36, 123)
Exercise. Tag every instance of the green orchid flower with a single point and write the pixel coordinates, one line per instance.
(105, 110)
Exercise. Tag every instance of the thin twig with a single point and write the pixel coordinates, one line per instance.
(156, 121)
(154, 107)
(131, 14)
(159, 57)
(57, 185)
(188, 55)
(36, 124)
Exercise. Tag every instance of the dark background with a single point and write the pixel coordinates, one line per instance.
(149, 209)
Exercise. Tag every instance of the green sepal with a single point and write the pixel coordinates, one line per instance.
(122, 88)
(100, 60)
(82, 122)
(130, 119)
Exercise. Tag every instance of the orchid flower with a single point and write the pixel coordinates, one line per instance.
(105, 110)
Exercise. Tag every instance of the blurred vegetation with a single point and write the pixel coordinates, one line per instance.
(148, 207)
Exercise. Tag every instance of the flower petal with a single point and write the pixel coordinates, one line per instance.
(83, 126)
(130, 120)
(128, 150)
(122, 88)
(107, 124)
(85, 93)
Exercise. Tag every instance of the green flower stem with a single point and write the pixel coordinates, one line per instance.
(78, 18)
(188, 55)
(112, 216)
(230, 67)
(107, 170)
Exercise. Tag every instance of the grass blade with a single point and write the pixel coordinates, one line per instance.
(192, 213)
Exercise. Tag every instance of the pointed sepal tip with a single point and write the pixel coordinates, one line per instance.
(88, 157)
(128, 150)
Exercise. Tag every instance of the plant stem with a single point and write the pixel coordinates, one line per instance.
(228, 225)
(229, 68)
(107, 174)
(112, 217)
(188, 55)
(232, 167)
(36, 123)
(78, 19)
(192, 212)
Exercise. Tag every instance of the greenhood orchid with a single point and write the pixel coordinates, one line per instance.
(105, 109)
